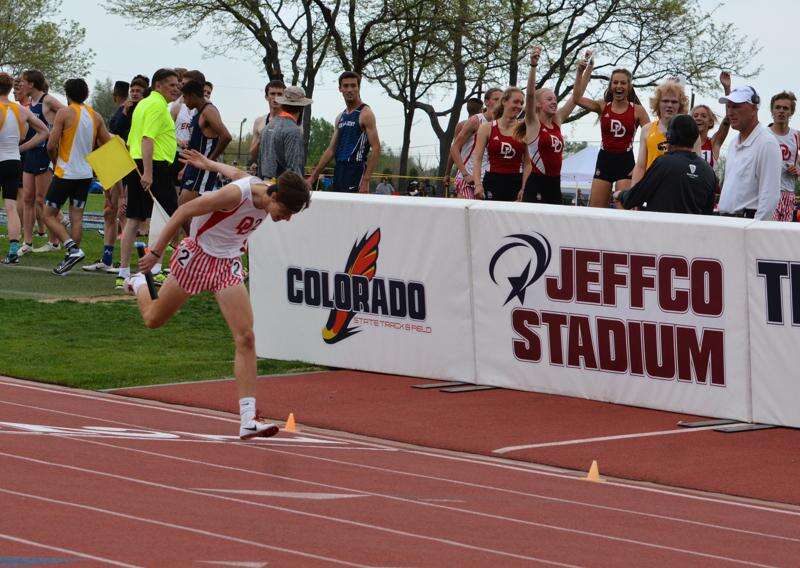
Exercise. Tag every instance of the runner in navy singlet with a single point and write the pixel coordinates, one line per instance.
(354, 143)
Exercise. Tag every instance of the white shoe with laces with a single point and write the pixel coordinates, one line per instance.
(24, 249)
(47, 247)
(133, 282)
(257, 428)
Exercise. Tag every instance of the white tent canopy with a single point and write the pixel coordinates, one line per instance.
(578, 169)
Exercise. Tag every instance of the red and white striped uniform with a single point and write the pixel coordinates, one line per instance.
(707, 153)
(209, 258)
(790, 144)
(465, 188)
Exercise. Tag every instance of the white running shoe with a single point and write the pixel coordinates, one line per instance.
(47, 247)
(132, 282)
(98, 266)
(257, 428)
(24, 249)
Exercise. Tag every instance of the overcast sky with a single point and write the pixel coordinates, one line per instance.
(123, 51)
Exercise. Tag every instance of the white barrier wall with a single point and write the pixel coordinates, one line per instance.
(373, 283)
(773, 271)
(638, 308)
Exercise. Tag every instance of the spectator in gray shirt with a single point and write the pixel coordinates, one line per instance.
(384, 188)
(282, 146)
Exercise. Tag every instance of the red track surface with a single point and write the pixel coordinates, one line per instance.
(760, 465)
(174, 495)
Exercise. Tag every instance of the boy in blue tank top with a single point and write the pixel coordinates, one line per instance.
(354, 135)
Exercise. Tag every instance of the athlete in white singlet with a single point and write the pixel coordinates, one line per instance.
(209, 260)
(464, 144)
(76, 129)
(782, 107)
(15, 120)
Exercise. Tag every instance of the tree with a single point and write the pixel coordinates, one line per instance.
(28, 40)
(321, 132)
(103, 99)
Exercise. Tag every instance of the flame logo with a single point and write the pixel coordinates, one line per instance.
(363, 261)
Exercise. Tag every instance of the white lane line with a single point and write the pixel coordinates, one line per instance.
(602, 439)
(478, 461)
(327, 517)
(426, 503)
(66, 550)
(430, 502)
(177, 527)
(311, 495)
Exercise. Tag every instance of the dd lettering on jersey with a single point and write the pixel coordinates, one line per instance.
(774, 273)
(555, 143)
(617, 128)
(507, 151)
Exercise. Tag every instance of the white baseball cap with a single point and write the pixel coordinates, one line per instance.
(746, 94)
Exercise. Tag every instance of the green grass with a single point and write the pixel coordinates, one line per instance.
(46, 337)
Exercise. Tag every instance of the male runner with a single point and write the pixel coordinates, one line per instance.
(782, 107)
(153, 147)
(182, 115)
(272, 91)
(354, 135)
(209, 260)
(15, 119)
(464, 144)
(36, 172)
(75, 130)
(208, 88)
(209, 136)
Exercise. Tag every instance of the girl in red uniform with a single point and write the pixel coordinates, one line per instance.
(209, 260)
(705, 118)
(621, 114)
(541, 132)
(503, 178)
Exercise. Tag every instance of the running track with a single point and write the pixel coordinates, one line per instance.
(96, 479)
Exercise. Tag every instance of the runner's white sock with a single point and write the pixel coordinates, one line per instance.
(137, 282)
(156, 269)
(124, 272)
(247, 409)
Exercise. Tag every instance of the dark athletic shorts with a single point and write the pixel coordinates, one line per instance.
(501, 187)
(140, 205)
(543, 189)
(198, 181)
(612, 167)
(36, 161)
(10, 173)
(347, 176)
(74, 190)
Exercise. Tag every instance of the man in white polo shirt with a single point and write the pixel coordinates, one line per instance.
(753, 162)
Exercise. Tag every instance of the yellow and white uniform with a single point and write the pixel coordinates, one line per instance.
(76, 141)
(11, 130)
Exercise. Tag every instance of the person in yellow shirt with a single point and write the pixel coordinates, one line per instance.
(670, 100)
(77, 129)
(153, 147)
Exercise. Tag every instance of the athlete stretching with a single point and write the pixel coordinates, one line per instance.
(209, 260)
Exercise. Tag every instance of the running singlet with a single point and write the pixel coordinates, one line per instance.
(656, 144)
(617, 130)
(547, 151)
(183, 123)
(76, 141)
(469, 146)
(707, 152)
(352, 144)
(11, 126)
(37, 109)
(199, 141)
(223, 234)
(505, 152)
(789, 146)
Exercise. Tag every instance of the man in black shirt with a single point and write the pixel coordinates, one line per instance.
(680, 181)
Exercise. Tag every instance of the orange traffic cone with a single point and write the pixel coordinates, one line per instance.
(594, 473)
(290, 425)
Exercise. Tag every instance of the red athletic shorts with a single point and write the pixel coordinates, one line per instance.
(785, 209)
(464, 189)
(197, 271)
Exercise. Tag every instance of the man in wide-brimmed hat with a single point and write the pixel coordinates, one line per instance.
(282, 141)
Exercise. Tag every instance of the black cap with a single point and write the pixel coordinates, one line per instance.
(682, 131)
